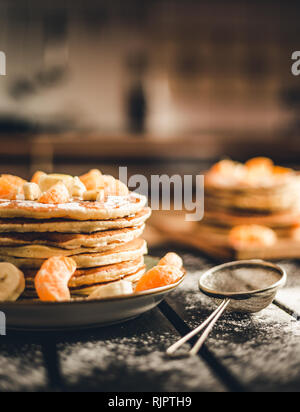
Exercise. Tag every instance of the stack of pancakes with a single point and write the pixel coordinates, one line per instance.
(283, 197)
(252, 191)
(103, 237)
(258, 193)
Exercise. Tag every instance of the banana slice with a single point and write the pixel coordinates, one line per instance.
(77, 188)
(47, 181)
(12, 282)
(32, 191)
(123, 287)
(94, 195)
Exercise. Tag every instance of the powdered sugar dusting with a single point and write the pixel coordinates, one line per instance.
(111, 207)
(109, 203)
(22, 370)
(131, 357)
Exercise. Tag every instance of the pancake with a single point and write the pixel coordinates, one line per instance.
(72, 226)
(39, 241)
(129, 251)
(112, 207)
(46, 252)
(275, 199)
(103, 274)
(86, 291)
(30, 293)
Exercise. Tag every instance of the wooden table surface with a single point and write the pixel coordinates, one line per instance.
(243, 353)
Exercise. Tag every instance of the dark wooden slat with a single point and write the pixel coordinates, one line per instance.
(261, 351)
(131, 357)
(52, 365)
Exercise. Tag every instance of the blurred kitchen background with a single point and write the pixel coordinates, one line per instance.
(164, 86)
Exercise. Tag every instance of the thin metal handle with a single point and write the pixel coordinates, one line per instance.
(206, 333)
(172, 349)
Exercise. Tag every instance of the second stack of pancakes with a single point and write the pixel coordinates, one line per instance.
(105, 250)
(255, 193)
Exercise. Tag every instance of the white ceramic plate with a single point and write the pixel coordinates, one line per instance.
(83, 314)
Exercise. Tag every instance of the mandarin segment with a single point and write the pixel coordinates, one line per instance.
(223, 167)
(282, 171)
(14, 180)
(51, 281)
(159, 276)
(295, 232)
(256, 172)
(252, 236)
(56, 195)
(36, 177)
(171, 259)
(8, 190)
(11, 186)
(261, 162)
(227, 171)
(257, 169)
(92, 180)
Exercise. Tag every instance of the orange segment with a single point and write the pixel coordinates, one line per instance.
(295, 232)
(92, 180)
(159, 276)
(252, 236)
(171, 259)
(11, 186)
(51, 281)
(226, 172)
(261, 162)
(14, 180)
(36, 177)
(8, 190)
(224, 167)
(282, 171)
(55, 195)
(259, 171)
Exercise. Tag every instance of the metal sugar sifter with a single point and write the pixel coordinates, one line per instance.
(244, 287)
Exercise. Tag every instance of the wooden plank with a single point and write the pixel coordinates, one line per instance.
(289, 297)
(131, 357)
(21, 366)
(126, 357)
(262, 351)
(282, 250)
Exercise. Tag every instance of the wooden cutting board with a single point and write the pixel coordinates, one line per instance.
(275, 220)
(173, 227)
